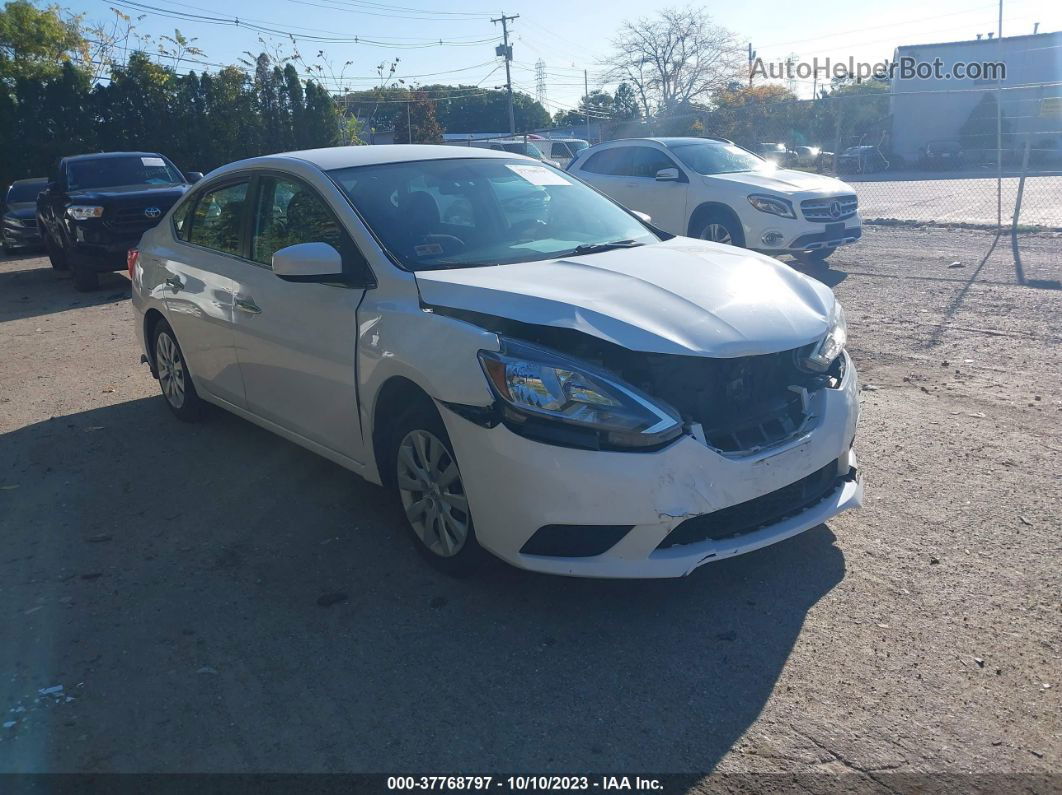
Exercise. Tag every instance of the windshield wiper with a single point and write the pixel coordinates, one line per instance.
(594, 248)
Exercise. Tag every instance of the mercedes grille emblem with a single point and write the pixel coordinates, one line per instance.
(835, 209)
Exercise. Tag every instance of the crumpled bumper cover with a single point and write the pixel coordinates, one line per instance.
(516, 486)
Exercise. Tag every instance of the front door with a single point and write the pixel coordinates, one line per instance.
(663, 201)
(296, 342)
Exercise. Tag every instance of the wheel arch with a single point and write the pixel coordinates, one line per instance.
(706, 209)
(152, 318)
(397, 395)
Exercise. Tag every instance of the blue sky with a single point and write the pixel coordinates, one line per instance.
(569, 36)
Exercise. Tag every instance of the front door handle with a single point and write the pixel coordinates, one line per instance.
(248, 305)
(175, 282)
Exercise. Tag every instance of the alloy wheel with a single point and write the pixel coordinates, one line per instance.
(433, 496)
(171, 369)
(717, 233)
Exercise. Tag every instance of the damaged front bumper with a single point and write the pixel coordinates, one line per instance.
(612, 514)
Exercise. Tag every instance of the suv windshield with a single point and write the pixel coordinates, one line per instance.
(113, 172)
(490, 211)
(26, 192)
(717, 158)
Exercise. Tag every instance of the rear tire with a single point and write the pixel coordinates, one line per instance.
(174, 378)
(432, 493)
(720, 227)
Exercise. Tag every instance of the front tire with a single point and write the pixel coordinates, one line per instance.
(56, 254)
(719, 227)
(432, 492)
(174, 378)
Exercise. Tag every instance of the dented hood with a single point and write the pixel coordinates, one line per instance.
(681, 296)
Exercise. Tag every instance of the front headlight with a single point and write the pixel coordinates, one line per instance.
(823, 354)
(82, 212)
(537, 386)
(772, 204)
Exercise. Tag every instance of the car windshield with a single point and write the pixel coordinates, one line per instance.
(457, 213)
(718, 158)
(113, 172)
(27, 192)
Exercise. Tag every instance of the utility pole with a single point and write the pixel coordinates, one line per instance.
(586, 99)
(507, 51)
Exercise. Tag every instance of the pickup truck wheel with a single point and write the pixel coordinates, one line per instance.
(720, 228)
(56, 255)
(432, 493)
(174, 378)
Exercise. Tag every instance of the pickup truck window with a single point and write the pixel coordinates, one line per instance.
(112, 172)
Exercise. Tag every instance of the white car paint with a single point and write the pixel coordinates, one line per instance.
(312, 364)
(679, 206)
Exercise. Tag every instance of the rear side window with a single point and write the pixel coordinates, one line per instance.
(217, 219)
(616, 162)
(182, 220)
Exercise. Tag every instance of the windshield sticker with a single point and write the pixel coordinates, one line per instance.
(153, 161)
(428, 250)
(538, 175)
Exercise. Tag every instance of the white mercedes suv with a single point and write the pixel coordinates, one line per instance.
(714, 190)
(535, 371)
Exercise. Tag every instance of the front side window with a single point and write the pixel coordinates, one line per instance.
(648, 161)
(718, 158)
(616, 162)
(290, 212)
(217, 219)
(113, 172)
(469, 212)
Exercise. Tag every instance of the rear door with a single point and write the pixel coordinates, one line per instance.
(295, 342)
(198, 289)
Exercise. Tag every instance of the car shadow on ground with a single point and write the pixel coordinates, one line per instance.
(169, 577)
(820, 271)
(36, 290)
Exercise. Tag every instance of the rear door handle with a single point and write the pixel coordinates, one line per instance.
(248, 305)
(175, 282)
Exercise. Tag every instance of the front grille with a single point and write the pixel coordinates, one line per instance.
(742, 404)
(747, 517)
(29, 223)
(132, 219)
(832, 208)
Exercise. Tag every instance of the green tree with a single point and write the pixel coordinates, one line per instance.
(418, 124)
(36, 42)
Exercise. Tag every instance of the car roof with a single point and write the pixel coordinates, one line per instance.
(347, 156)
(30, 181)
(108, 155)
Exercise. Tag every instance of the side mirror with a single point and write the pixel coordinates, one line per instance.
(193, 176)
(308, 262)
(643, 216)
(667, 175)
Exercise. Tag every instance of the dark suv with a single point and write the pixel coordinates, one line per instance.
(19, 228)
(99, 205)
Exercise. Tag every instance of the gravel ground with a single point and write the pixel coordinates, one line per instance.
(167, 576)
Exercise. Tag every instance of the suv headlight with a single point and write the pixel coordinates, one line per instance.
(82, 212)
(823, 354)
(538, 386)
(772, 204)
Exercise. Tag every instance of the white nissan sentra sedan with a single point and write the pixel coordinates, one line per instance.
(536, 371)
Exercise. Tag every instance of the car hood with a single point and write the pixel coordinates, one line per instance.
(160, 192)
(784, 180)
(681, 296)
(21, 210)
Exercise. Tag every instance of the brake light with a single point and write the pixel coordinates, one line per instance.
(132, 257)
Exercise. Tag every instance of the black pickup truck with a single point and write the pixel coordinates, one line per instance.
(97, 207)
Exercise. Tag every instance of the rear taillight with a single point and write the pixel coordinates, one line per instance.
(132, 257)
